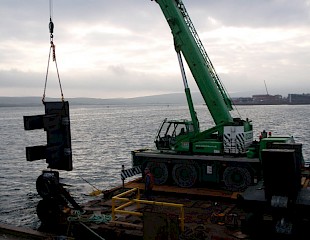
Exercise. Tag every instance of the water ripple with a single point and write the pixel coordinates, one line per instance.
(102, 141)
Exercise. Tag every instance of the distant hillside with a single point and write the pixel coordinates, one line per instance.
(173, 98)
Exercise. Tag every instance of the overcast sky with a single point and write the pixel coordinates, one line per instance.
(124, 48)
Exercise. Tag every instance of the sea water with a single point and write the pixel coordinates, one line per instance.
(102, 140)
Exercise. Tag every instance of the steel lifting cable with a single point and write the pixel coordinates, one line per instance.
(52, 47)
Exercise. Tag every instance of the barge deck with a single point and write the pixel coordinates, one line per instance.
(208, 214)
(174, 213)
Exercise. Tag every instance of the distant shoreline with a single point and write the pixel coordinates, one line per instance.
(164, 99)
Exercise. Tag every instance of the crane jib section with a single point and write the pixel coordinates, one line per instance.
(187, 41)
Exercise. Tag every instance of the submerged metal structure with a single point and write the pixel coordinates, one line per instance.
(56, 124)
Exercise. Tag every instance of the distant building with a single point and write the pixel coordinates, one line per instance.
(299, 98)
(262, 99)
(267, 99)
(242, 100)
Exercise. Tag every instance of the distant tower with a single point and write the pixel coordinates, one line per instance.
(266, 87)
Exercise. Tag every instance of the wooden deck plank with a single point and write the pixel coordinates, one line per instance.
(14, 232)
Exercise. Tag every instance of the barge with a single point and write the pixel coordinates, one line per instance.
(181, 213)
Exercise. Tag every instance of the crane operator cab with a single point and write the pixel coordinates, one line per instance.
(172, 133)
(180, 136)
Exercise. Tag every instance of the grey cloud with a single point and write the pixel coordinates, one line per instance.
(259, 13)
(147, 41)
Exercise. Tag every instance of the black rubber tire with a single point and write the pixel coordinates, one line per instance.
(48, 211)
(47, 187)
(184, 175)
(159, 171)
(237, 178)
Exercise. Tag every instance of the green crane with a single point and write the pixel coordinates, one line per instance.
(186, 155)
(188, 44)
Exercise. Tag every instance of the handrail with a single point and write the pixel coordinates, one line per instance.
(128, 202)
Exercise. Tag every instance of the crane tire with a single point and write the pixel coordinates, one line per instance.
(159, 171)
(236, 178)
(184, 175)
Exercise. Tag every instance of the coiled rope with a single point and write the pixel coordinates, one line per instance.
(78, 216)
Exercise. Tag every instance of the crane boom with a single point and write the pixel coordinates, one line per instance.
(187, 42)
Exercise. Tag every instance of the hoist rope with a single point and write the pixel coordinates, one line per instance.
(52, 48)
(93, 193)
(51, 8)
